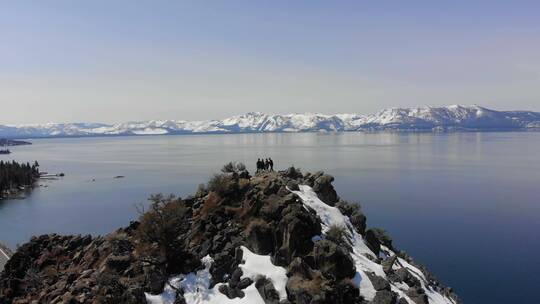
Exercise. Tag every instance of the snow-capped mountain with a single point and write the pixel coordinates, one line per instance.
(446, 118)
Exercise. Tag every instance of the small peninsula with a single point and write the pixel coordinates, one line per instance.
(16, 177)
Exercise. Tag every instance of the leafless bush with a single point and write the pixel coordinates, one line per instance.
(233, 167)
(337, 234)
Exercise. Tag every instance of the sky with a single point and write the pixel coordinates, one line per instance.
(115, 61)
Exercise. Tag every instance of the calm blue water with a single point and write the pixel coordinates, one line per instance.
(467, 205)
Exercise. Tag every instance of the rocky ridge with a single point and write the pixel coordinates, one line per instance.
(282, 237)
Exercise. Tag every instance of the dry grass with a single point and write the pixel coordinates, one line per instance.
(210, 205)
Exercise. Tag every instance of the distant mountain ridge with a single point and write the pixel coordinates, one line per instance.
(447, 118)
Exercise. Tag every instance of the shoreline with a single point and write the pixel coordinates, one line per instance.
(15, 194)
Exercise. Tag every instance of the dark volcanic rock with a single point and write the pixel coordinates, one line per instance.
(244, 283)
(385, 297)
(373, 242)
(231, 292)
(322, 185)
(333, 261)
(292, 173)
(388, 263)
(267, 291)
(295, 230)
(402, 301)
(77, 269)
(118, 263)
(260, 237)
(418, 295)
(379, 283)
(403, 275)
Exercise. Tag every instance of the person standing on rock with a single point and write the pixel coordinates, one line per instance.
(266, 164)
(271, 164)
(259, 165)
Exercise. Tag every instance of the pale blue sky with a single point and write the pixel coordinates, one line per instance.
(110, 61)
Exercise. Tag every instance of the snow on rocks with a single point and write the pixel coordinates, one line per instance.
(363, 256)
(196, 286)
(260, 265)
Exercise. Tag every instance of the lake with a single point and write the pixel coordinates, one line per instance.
(466, 205)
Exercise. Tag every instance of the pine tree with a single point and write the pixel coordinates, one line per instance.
(14, 175)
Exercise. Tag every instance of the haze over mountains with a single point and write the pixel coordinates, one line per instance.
(448, 118)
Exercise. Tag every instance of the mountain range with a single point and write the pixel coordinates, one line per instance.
(447, 118)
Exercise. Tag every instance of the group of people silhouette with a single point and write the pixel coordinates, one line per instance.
(265, 164)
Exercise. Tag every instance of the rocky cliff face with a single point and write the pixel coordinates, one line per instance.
(282, 237)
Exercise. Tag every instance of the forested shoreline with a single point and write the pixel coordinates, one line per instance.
(16, 176)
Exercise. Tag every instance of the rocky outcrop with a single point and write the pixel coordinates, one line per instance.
(333, 260)
(322, 185)
(78, 269)
(232, 212)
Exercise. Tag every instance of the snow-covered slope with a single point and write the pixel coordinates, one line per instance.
(425, 118)
(331, 216)
(197, 290)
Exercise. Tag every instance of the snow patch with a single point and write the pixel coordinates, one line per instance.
(197, 289)
(260, 265)
(150, 131)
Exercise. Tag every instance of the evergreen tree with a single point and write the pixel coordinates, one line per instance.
(14, 175)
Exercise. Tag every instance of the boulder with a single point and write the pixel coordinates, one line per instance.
(379, 283)
(403, 275)
(322, 185)
(372, 241)
(293, 185)
(385, 297)
(274, 205)
(235, 277)
(224, 264)
(417, 295)
(292, 173)
(267, 291)
(244, 283)
(403, 301)
(295, 230)
(260, 237)
(358, 220)
(231, 292)
(300, 268)
(155, 282)
(388, 263)
(118, 263)
(238, 255)
(304, 291)
(344, 292)
(333, 261)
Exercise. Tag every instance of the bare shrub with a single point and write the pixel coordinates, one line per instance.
(209, 205)
(228, 168)
(338, 235)
(383, 236)
(160, 228)
(222, 184)
(233, 167)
